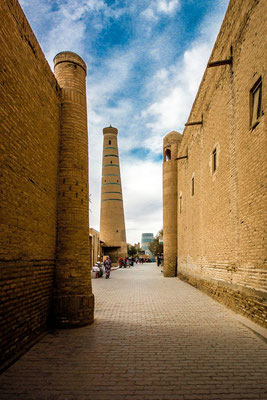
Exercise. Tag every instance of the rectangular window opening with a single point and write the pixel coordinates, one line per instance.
(256, 103)
(193, 186)
(181, 204)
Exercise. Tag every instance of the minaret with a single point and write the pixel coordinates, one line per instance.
(73, 298)
(112, 225)
(170, 148)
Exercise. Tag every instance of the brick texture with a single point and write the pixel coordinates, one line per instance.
(30, 124)
(112, 224)
(170, 202)
(73, 299)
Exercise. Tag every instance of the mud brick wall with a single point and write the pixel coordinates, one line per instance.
(221, 247)
(29, 125)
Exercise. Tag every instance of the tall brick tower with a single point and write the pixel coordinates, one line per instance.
(170, 147)
(73, 300)
(112, 225)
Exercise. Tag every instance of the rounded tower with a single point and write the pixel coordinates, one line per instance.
(73, 298)
(112, 225)
(170, 149)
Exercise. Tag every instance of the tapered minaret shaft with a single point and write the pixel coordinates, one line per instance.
(73, 300)
(112, 225)
(170, 148)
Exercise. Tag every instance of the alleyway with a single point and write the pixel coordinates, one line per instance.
(153, 338)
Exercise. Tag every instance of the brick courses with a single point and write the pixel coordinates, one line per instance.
(170, 202)
(112, 223)
(73, 298)
(29, 109)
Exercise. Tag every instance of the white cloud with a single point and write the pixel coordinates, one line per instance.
(175, 88)
(166, 6)
(158, 7)
(142, 189)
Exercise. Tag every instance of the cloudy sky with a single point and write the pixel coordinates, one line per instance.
(145, 60)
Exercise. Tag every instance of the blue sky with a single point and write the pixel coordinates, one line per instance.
(145, 61)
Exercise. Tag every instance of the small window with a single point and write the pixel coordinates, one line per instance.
(255, 103)
(168, 154)
(214, 160)
(193, 186)
(110, 162)
(181, 200)
(109, 142)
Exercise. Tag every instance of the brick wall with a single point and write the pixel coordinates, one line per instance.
(221, 235)
(29, 119)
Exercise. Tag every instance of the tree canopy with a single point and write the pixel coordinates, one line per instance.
(132, 250)
(156, 247)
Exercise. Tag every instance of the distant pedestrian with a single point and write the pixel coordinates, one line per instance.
(107, 264)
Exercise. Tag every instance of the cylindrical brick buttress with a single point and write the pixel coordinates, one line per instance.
(112, 224)
(170, 147)
(73, 298)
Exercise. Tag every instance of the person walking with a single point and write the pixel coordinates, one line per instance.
(107, 265)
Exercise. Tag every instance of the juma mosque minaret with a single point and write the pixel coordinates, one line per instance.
(112, 225)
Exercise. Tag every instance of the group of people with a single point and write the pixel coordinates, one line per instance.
(123, 262)
(126, 262)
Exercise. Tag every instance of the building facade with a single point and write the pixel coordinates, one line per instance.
(145, 240)
(95, 244)
(219, 180)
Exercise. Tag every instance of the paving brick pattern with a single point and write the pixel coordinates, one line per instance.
(153, 338)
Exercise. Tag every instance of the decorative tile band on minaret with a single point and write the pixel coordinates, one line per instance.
(170, 148)
(73, 298)
(112, 225)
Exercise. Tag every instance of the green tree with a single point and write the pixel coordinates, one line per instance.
(131, 250)
(156, 247)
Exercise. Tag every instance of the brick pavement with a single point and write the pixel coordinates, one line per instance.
(153, 338)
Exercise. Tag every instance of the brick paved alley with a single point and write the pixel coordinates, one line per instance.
(153, 338)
